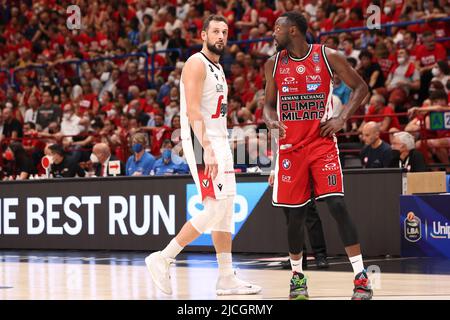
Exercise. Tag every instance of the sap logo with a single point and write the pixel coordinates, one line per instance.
(312, 87)
(284, 89)
(247, 197)
(313, 79)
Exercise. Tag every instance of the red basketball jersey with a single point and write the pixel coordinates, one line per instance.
(304, 95)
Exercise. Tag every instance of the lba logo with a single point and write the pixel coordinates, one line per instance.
(247, 197)
(413, 227)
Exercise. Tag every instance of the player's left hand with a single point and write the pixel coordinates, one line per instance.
(331, 126)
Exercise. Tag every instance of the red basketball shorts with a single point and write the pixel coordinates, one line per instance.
(294, 170)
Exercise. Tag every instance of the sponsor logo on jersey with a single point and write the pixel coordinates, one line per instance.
(286, 164)
(317, 69)
(219, 87)
(211, 68)
(300, 69)
(220, 186)
(205, 183)
(285, 70)
(285, 60)
(330, 167)
(284, 89)
(289, 80)
(316, 57)
(311, 87)
(313, 78)
(286, 178)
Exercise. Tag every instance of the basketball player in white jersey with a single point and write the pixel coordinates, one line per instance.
(203, 108)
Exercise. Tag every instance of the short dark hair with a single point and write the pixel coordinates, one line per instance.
(334, 39)
(438, 95)
(213, 17)
(365, 53)
(427, 33)
(297, 19)
(57, 148)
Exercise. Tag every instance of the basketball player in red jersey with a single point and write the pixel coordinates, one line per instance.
(299, 104)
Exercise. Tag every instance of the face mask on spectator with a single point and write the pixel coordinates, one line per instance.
(94, 158)
(401, 60)
(436, 71)
(8, 155)
(177, 82)
(171, 79)
(137, 147)
(112, 113)
(387, 10)
(66, 115)
(132, 112)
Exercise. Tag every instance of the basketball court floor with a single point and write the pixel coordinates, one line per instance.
(105, 275)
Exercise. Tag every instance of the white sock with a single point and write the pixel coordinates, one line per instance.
(357, 264)
(172, 249)
(297, 265)
(225, 263)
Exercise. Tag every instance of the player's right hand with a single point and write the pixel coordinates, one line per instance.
(271, 179)
(277, 125)
(211, 167)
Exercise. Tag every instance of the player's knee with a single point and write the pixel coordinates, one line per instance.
(336, 205)
(214, 212)
(225, 220)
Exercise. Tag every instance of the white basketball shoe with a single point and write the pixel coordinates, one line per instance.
(232, 285)
(159, 268)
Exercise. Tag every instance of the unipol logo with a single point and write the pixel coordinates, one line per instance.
(73, 21)
(373, 17)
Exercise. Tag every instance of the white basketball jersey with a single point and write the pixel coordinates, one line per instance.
(213, 106)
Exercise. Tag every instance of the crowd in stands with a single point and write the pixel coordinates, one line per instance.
(57, 98)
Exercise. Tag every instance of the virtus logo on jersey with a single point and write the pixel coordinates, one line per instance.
(205, 183)
(286, 164)
(300, 69)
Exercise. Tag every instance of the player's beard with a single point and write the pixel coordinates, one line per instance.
(211, 47)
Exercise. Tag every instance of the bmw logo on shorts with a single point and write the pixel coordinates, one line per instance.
(286, 164)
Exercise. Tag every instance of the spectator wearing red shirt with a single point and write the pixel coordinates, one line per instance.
(265, 14)
(409, 43)
(324, 23)
(248, 21)
(427, 56)
(130, 78)
(222, 9)
(240, 90)
(377, 107)
(158, 134)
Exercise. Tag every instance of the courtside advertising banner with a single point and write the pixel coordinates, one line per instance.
(425, 225)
